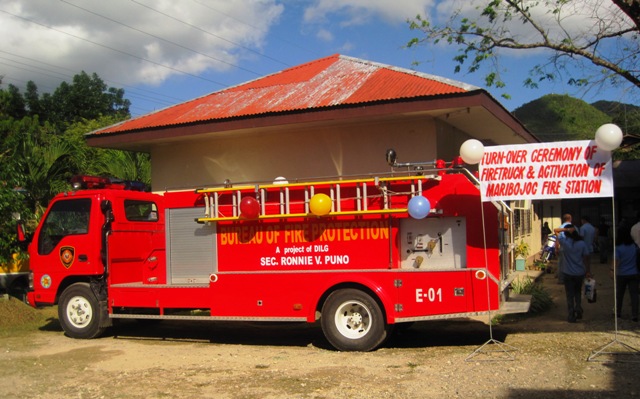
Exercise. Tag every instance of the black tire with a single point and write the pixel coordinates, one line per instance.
(353, 321)
(79, 312)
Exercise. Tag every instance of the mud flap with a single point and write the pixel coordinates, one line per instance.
(105, 320)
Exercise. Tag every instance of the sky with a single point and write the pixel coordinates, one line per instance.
(164, 52)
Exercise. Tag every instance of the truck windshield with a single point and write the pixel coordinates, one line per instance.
(65, 218)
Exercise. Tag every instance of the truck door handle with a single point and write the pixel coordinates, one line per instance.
(83, 258)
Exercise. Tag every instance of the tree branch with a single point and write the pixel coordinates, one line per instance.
(482, 39)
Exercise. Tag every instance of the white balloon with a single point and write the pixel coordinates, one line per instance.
(609, 137)
(472, 151)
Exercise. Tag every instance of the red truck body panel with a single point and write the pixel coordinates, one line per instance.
(194, 250)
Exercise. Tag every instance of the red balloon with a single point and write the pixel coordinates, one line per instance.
(249, 208)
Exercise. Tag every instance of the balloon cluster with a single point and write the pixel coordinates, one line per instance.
(608, 137)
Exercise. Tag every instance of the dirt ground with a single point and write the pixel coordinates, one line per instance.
(533, 357)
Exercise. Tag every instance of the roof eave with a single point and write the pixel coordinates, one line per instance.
(477, 98)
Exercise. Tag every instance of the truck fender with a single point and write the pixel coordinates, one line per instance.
(384, 295)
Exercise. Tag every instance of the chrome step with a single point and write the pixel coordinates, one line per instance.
(517, 303)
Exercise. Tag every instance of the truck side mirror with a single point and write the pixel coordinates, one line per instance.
(20, 231)
(23, 239)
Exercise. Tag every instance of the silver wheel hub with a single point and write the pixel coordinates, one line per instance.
(79, 312)
(353, 319)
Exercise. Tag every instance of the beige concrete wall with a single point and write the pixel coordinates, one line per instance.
(347, 149)
(552, 213)
(449, 141)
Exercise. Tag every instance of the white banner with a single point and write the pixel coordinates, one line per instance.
(569, 169)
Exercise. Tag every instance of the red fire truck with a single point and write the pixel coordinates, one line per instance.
(359, 254)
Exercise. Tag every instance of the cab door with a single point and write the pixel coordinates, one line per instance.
(67, 243)
(136, 241)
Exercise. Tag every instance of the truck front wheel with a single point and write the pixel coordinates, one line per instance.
(79, 312)
(352, 321)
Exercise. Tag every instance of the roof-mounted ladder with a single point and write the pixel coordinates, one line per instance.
(348, 197)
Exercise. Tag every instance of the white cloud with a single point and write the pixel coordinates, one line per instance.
(324, 35)
(356, 12)
(346, 47)
(127, 41)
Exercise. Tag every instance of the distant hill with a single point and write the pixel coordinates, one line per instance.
(615, 108)
(627, 116)
(557, 117)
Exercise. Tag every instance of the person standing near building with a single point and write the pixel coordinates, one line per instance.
(575, 254)
(626, 271)
(588, 233)
(566, 220)
(603, 240)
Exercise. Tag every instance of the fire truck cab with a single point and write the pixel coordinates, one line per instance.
(359, 254)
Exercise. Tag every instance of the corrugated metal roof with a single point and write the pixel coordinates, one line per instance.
(327, 82)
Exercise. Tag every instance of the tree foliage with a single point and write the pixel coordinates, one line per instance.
(42, 145)
(125, 165)
(86, 97)
(588, 43)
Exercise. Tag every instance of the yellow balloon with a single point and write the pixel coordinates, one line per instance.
(320, 204)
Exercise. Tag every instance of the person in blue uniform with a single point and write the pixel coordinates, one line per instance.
(566, 221)
(626, 271)
(575, 268)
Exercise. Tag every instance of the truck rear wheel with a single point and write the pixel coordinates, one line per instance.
(353, 321)
(79, 312)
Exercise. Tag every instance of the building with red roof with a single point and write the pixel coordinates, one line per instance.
(335, 116)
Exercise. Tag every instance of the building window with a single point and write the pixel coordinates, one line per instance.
(522, 214)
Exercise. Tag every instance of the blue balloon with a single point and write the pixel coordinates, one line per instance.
(419, 207)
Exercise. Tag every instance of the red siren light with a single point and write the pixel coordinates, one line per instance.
(88, 182)
(85, 182)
